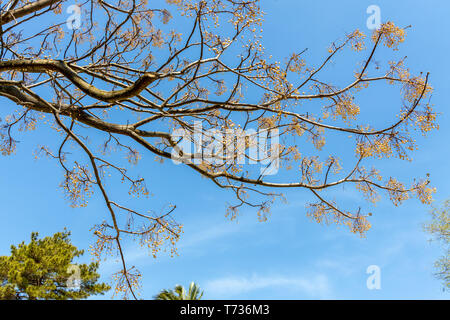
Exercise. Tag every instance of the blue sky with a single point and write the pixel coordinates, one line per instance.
(288, 257)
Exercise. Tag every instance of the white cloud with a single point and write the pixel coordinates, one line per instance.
(205, 235)
(210, 233)
(308, 287)
(345, 267)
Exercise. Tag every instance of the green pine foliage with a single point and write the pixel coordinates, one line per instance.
(44, 269)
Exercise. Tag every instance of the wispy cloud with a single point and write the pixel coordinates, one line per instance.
(203, 235)
(210, 233)
(344, 267)
(309, 287)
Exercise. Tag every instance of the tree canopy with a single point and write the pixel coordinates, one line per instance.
(137, 77)
(180, 293)
(439, 229)
(44, 269)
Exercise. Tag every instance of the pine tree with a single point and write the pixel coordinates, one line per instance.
(44, 269)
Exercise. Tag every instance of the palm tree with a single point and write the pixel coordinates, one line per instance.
(179, 293)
